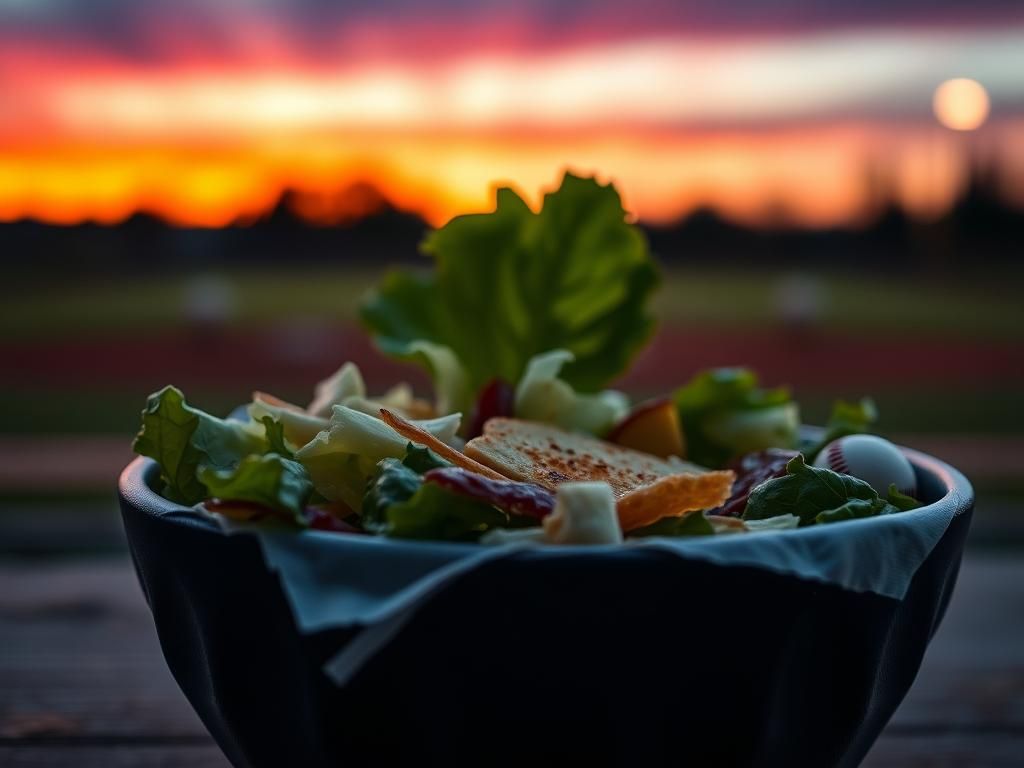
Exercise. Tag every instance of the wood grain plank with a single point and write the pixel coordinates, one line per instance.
(973, 671)
(130, 756)
(79, 655)
(84, 681)
(947, 750)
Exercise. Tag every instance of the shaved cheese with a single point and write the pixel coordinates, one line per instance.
(584, 514)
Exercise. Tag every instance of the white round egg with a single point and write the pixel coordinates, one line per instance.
(872, 459)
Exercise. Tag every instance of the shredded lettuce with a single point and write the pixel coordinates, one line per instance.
(182, 439)
(542, 396)
(271, 481)
(725, 414)
(511, 284)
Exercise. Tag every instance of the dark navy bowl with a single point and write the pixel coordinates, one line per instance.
(624, 657)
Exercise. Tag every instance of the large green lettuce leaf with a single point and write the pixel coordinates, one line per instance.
(182, 439)
(511, 284)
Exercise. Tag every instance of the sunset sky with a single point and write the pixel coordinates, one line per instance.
(203, 112)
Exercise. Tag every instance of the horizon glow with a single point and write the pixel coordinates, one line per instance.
(814, 128)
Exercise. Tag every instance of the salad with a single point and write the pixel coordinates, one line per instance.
(524, 321)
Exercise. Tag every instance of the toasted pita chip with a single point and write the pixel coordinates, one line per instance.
(672, 496)
(422, 437)
(548, 456)
(645, 487)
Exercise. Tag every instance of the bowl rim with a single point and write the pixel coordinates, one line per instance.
(135, 488)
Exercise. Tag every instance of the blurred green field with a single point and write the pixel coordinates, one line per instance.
(968, 308)
(939, 411)
(984, 306)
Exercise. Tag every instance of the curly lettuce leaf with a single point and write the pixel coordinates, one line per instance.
(270, 480)
(182, 439)
(814, 494)
(725, 414)
(542, 396)
(511, 284)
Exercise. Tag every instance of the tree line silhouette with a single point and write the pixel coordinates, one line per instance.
(981, 227)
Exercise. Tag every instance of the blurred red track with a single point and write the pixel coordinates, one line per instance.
(294, 358)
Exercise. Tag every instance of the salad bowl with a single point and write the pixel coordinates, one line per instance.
(790, 648)
(561, 578)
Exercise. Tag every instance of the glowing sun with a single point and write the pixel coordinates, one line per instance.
(961, 104)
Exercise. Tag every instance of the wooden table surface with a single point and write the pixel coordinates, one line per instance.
(83, 682)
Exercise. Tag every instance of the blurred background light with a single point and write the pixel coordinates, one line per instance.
(961, 104)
